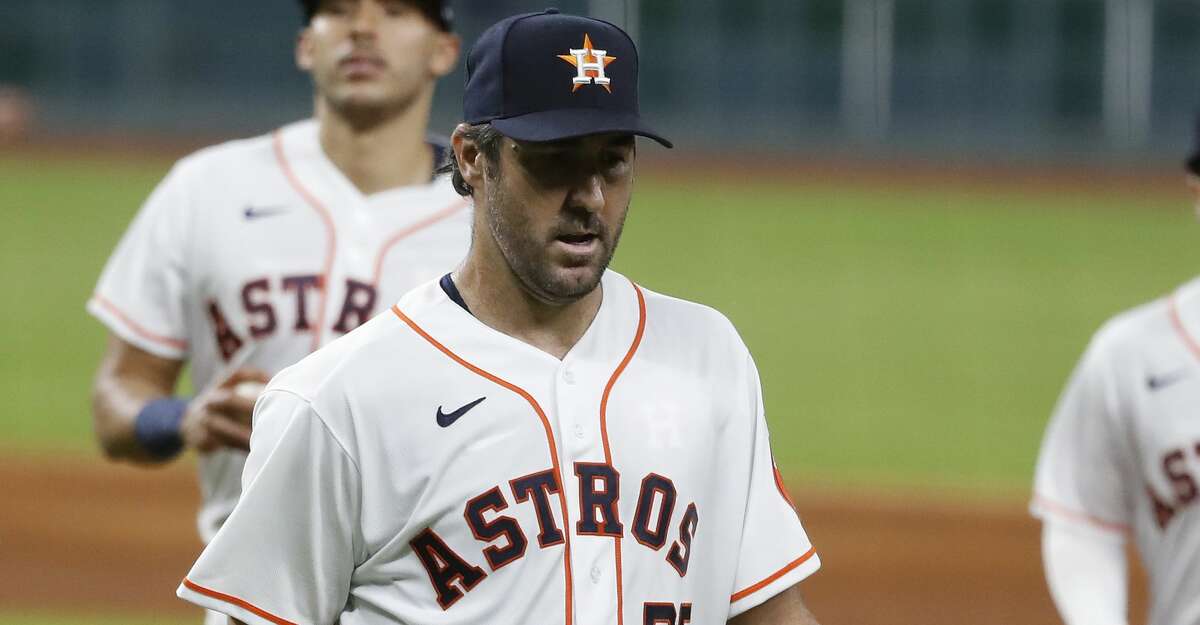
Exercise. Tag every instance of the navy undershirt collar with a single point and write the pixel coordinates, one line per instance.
(447, 284)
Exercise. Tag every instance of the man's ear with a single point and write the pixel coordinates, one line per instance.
(304, 56)
(444, 56)
(470, 158)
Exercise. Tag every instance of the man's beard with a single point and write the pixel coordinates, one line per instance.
(366, 113)
(528, 258)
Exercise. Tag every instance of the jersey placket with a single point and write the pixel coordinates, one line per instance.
(332, 290)
(578, 385)
(357, 236)
(333, 198)
(360, 236)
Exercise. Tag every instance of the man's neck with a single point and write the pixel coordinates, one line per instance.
(498, 299)
(384, 155)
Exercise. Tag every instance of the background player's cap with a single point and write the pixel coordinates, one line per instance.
(438, 11)
(548, 76)
(1193, 161)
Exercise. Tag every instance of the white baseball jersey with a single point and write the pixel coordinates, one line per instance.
(254, 253)
(429, 469)
(1122, 451)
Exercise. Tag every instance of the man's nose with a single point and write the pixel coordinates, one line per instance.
(365, 17)
(588, 193)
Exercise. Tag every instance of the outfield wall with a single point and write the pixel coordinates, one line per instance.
(1075, 79)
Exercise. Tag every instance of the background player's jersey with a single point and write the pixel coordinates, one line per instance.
(1122, 450)
(429, 469)
(254, 253)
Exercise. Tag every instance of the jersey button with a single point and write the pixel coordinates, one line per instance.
(578, 431)
(568, 376)
(595, 575)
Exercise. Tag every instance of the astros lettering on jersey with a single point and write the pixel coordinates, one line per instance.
(1122, 451)
(427, 468)
(256, 252)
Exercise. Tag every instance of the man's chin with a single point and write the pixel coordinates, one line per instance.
(568, 284)
(366, 101)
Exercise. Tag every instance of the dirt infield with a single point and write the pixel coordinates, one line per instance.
(89, 536)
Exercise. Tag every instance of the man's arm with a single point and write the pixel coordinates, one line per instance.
(1087, 572)
(1087, 474)
(129, 378)
(786, 608)
(288, 550)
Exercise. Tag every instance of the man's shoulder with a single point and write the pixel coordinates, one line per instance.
(692, 322)
(236, 157)
(1139, 328)
(354, 362)
(693, 316)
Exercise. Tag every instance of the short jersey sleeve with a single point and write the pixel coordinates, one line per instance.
(141, 293)
(1084, 466)
(775, 551)
(287, 553)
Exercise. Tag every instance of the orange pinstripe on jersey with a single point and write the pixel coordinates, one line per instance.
(749, 590)
(562, 499)
(403, 233)
(136, 327)
(330, 233)
(236, 601)
(1075, 515)
(1177, 323)
(782, 490)
(637, 340)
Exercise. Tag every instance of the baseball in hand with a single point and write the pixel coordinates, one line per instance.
(249, 389)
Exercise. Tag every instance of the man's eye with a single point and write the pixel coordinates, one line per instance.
(336, 7)
(395, 9)
(614, 161)
(537, 163)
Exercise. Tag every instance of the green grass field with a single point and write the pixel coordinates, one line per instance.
(910, 337)
(914, 336)
(906, 337)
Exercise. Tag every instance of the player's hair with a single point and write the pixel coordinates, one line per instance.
(487, 139)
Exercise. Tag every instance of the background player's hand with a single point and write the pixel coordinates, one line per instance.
(220, 416)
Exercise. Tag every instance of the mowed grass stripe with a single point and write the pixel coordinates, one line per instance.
(60, 222)
(904, 335)
(912, 337)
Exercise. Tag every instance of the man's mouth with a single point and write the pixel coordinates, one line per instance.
(582, 238)
(360, 64)
(578, 247)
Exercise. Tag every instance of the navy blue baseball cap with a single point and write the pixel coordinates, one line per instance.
(549, 76)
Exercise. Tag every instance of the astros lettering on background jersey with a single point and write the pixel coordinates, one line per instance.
(428, 469)
(256, 252)
(1122, 451)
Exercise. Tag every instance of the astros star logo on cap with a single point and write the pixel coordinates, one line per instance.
(590, 63)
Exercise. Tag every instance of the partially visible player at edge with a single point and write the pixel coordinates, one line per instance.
(251, 254)
(532, 438)
(1121, 459)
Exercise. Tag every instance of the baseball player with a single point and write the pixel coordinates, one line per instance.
(532, 438)
(1121, 459)
(251, 254)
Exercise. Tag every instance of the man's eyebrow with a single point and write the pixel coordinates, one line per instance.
(548, 147)
(541, 148)
(621, 141)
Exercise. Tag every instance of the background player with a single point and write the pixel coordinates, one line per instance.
(1121, 457)
(532, 438)
(251, 254)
